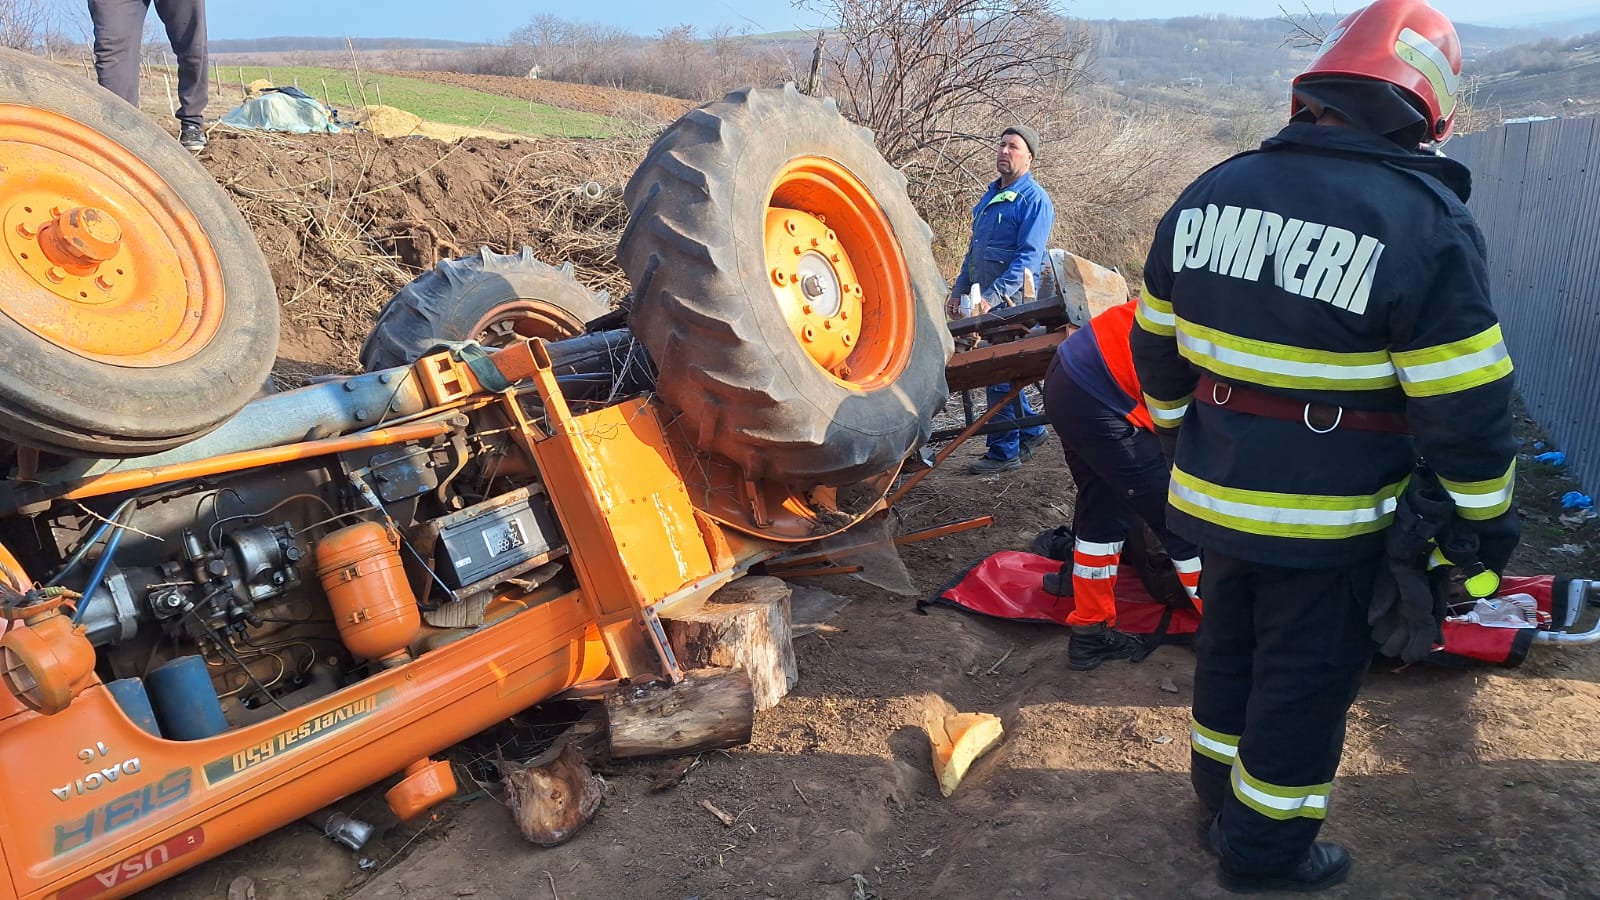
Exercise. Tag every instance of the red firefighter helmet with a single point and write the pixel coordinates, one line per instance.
(1406, 43)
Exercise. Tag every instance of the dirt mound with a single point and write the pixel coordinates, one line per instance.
(345, 220)
(387, 121)
(629, 106)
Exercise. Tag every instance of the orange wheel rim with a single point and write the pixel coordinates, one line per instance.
(523, 319)
(101, 258)
(837, 273)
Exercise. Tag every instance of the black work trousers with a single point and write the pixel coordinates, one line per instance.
(1119, 469)
(118, 38)
(1278, 660)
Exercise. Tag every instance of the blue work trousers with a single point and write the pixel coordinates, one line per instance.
(1008, 444)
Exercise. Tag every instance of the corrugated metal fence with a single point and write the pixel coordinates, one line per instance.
(1536, 194)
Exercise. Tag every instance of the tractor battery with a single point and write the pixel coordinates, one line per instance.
(494, 536)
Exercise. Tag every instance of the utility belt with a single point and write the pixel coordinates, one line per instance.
(1318, 417)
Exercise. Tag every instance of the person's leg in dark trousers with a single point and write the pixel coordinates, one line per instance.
(1009, 444)
(185, 21)
(118, 39)
(1305, 635)
(1127, 458)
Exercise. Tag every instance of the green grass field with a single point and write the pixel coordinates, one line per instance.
(432, 102)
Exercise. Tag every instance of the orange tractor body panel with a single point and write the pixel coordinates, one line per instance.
(107, 808)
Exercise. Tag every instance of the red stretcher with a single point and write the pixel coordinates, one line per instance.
(1009, 585)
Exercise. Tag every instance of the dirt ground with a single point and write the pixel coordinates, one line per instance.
(1467, 783)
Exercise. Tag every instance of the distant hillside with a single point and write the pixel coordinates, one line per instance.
(1238, 70)
(293, 44)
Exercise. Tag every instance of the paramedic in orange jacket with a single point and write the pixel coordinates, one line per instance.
(1094, 403)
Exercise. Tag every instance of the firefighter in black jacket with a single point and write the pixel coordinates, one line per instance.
(1316, 316)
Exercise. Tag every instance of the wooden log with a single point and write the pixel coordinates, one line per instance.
(708, 710)
(745, 624)
(552, 800)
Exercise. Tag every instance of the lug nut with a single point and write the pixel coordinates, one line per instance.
(56, 274)
(807, 334)
(789, 226)
(848, 339)
(778, 278)
(26, 230)
(104, 283)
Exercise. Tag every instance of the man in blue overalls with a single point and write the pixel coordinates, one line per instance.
(1010, 227)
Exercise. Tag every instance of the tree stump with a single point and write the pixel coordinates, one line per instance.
(708, 710)
(746, 625)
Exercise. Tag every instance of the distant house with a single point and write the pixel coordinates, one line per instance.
(535, 72)
(1191, 81)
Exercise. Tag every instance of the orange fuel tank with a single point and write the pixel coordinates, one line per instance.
(365, 581)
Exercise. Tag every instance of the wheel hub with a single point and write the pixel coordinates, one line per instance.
(100, 257)
(817, 291)
(837, 273)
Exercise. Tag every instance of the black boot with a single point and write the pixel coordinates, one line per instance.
(1325, 865)
(1092, 645)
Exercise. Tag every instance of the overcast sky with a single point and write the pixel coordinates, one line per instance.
(493, 20)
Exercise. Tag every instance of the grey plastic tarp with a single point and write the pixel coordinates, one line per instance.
(278, 111)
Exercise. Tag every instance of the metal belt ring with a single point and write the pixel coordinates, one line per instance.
(1223, 400)
(1305, 416)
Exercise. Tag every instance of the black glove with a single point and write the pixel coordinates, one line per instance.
(1407, 615)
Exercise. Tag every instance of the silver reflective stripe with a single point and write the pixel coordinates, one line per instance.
(1255, 362)
(1187, 566)
(1167, 416)
(1149, 311)
(1094, 573)
(1217, 747)
(1282, 804)
(1094, 548)
(1449, 368)
(1284, 515)
(1481, 501)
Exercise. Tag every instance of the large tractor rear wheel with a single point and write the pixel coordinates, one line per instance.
(136, 310)
(786, 289)
(492, 298)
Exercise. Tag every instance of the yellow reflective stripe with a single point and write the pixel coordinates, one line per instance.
(1279, 802)
(1281, 365)
(1167, 413)
(1154, 314)
(1097, 548)
(1429, 59)
(1317, 516)
(1094, 573)
(1214, 744)
(1456, 366)
(1482, 500)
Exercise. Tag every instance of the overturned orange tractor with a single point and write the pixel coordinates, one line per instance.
(225, 611)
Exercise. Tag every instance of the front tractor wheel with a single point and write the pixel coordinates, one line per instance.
(786, 289)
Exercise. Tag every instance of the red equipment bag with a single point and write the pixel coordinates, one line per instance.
(1010, 585)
